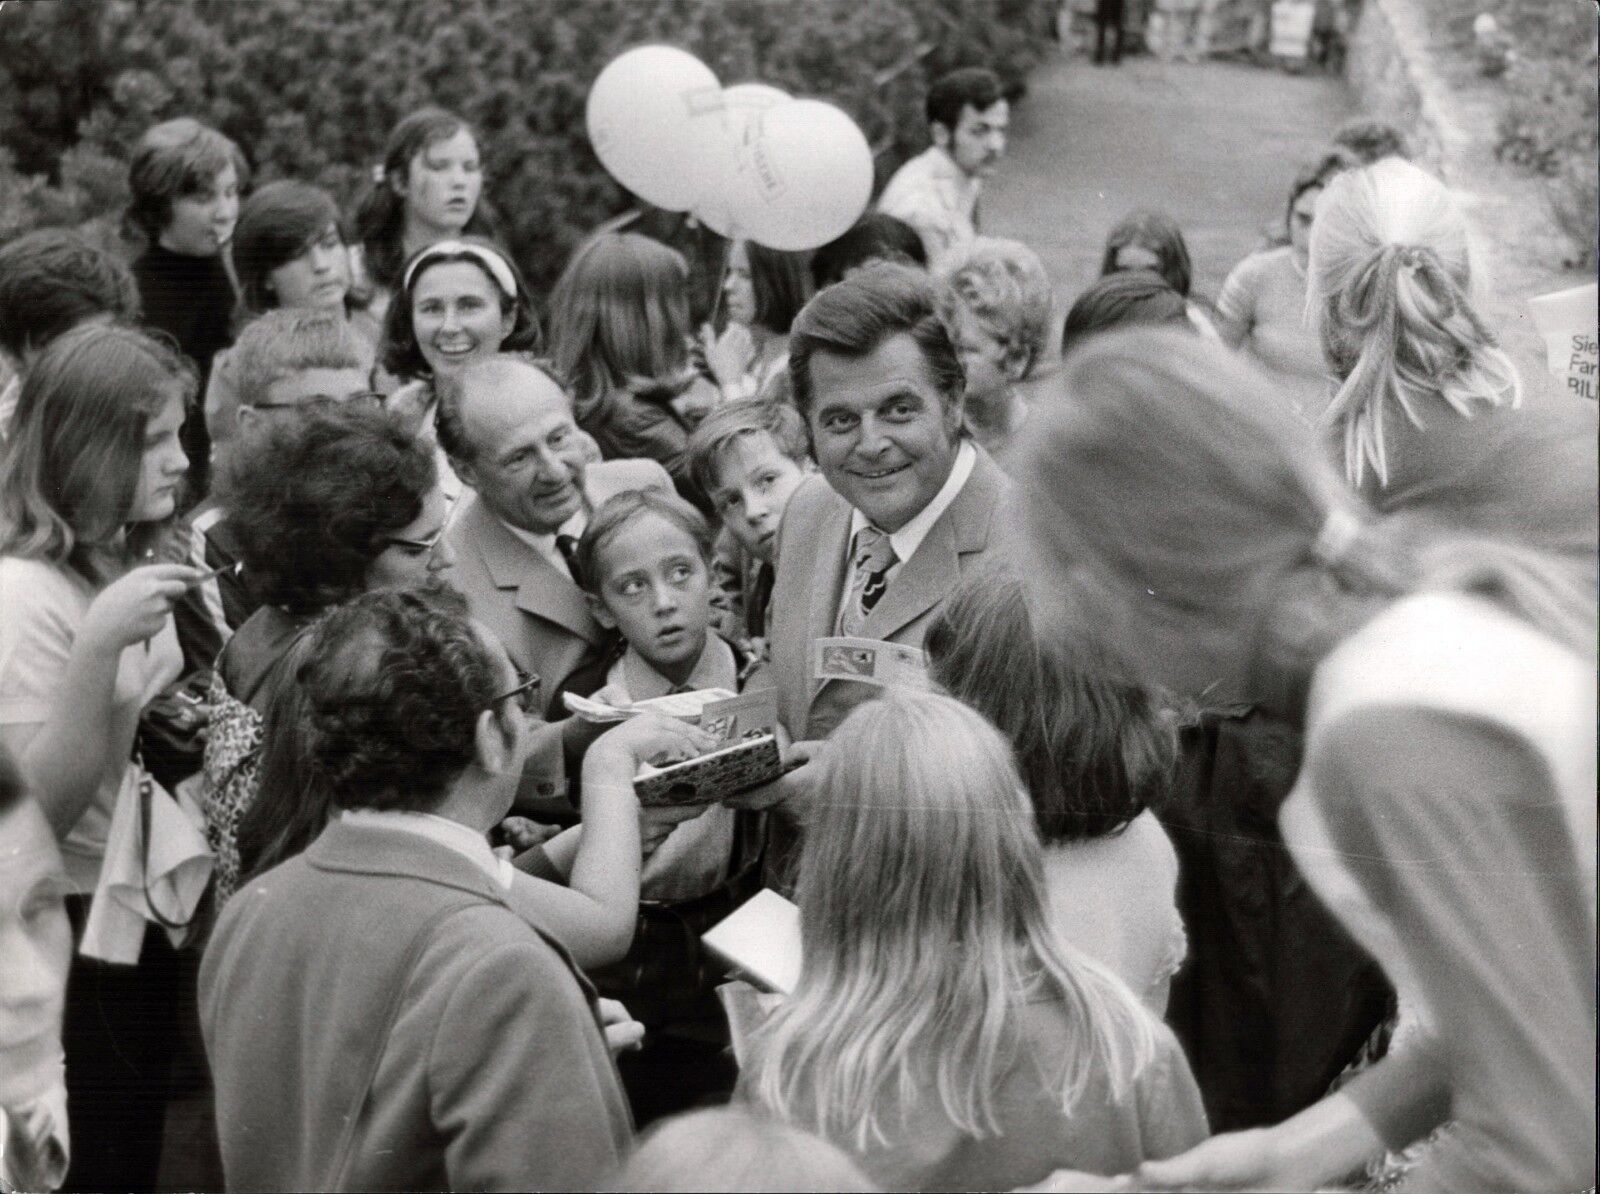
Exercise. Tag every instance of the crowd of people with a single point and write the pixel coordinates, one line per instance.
(1228, 822)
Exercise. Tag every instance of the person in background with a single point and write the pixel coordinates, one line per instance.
(734, 1149)
(941, 1031)
(619, 331)
(749, 457)
(89, 485)
(323, 505)
(509, 430)
(464, 1032)
(874, 237)
(456, 302)
(998, 304)
(1097, 757)
(1108, 21)
(288, 361)
(764, 290)
(1121, 298)
(1371, 141)
(428, 188)
(36, 942)
(1446, 684)
(1429, 411)
(288, 254)
(1262, 306)
(937, 191)
(1151, 240)
(184, 181)
(51, 281)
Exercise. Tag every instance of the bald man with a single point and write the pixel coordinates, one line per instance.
(509, 430)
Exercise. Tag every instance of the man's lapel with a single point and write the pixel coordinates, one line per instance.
(542, 592)
(832, 543)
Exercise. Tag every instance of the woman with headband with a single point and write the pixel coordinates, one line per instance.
(1444, 811)
(458, 301)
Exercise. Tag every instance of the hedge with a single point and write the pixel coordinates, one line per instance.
(310, 88)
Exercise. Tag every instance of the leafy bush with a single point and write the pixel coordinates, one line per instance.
(310, 88)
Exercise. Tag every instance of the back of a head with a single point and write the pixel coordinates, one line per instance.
(1129, 298)
(1371, 141)
(279, 344)
(874, 237)
(734, 1148)
(976, 87)
(854, 317)
(52, 280)
(782, 284)
(393, 685)
(1391, 289)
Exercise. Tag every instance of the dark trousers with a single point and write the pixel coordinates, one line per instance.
(119, 1034)
(1108, 20)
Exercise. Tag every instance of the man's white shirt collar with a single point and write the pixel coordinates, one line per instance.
(463, 839)
(909, 537)
(545, 545)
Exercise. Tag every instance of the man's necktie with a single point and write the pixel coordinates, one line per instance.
(567, 545)
(872, 555)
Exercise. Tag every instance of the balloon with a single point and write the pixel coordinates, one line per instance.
(804, 175)
(641, 117)
(723, 135)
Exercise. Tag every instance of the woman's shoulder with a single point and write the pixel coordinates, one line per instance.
(27, 583)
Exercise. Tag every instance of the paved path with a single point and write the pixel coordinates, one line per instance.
(1215, 145)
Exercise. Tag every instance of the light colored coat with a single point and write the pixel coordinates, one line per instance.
(380, 1015)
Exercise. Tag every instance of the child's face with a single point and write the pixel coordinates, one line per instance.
(203, 222)
(656, 589)
(753, 484)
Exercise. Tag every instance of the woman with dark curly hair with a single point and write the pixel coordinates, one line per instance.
(323, 507)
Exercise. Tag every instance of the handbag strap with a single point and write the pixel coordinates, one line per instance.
(147, 797)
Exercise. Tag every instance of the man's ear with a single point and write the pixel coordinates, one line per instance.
(465, 470)
(494, 743)
(600, 612)
(397, 182)
(940, 134)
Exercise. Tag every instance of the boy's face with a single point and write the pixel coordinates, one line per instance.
(754, 481)
(656, 589)
(203, 222)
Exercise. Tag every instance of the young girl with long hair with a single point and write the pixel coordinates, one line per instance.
(941, 1030)
(1152, 240)
(90, 480)
(428, 188)
(619, 332)
(1445, 683)
(1097, 756)
(763, 291)
(1429, 411)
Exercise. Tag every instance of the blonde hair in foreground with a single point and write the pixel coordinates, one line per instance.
(1391, 289)
(924, 930)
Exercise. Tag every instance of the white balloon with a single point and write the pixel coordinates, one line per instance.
(804, 176)
(642, 120)
(723, 136)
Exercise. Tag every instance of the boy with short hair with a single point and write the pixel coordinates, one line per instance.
(645, 562)
(748, 457)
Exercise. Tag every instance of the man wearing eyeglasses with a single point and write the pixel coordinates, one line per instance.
(286, 362)
(509, 430)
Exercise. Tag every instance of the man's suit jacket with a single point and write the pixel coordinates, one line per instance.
(380, 1015)
(812, 546)
(540, 616)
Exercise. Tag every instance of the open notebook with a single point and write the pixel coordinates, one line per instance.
(761, 939)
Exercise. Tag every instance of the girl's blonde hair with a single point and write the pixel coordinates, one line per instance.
(619, 314)
(924, 930)
(1390, 289)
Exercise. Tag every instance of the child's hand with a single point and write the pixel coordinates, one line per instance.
(522, 834)
(623, 1033)
(651, 738)
(657, 823)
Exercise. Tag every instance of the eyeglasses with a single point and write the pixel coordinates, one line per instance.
(526, 694)
(430, 544)
(360, 400)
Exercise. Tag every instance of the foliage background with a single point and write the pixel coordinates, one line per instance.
(310, 88)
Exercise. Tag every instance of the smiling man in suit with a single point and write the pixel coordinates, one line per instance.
(905, 505)
(508, 428)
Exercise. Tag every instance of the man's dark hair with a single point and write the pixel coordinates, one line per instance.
(393, 684)
(312, 501)
(974, 86)
(852, 318)
(1134, 296)
(1371, 140)
(874, 237)
(52, 280)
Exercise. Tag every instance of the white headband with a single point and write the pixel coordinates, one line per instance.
(490, 260)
